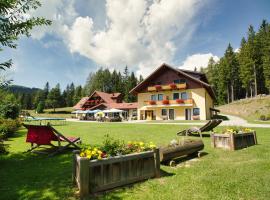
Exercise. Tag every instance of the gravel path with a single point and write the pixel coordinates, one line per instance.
(233, 121)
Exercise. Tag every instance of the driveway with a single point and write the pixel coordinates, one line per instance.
(233, 121)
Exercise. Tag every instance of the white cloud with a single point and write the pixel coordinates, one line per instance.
(237, 50)
(140, 34)
(198, 61)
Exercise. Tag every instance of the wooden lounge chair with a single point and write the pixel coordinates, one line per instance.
(208, 127)
(45, 134)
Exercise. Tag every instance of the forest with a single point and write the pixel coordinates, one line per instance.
(244, 72)
(55, 97)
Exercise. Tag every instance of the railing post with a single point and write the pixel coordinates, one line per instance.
(255, 137)
(232, 141)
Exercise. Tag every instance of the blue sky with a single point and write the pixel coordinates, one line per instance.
(93, 33)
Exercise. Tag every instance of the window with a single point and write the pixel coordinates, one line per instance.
(196, 111)
(160, 97)
(163, 112)
(153, 97)
(175, 96)
(184, 95)
(179, 81)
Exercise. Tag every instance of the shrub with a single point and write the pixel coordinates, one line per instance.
(8, 127)
(40, 107)
(262, 117)
(268, 117)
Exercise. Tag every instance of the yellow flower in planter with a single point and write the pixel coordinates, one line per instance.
(141, 143)
(152, 146)
(88, 156)
(82, 154)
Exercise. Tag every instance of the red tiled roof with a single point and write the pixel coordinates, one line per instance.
(133, 105)
(108, 98)
(79, 105)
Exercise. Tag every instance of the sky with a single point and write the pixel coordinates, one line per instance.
(142, 34)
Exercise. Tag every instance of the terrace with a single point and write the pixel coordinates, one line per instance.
(171, 86)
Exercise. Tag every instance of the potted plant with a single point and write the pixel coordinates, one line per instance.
(180, 101)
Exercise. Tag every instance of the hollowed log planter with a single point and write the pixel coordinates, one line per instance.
(191, 147)
(233, 141)
(93, 176)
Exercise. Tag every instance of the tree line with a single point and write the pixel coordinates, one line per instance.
(102, 80)
(243, 73)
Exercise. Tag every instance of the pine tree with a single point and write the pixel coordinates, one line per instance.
(54, 97)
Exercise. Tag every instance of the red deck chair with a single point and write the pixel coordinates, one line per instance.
(44, 135)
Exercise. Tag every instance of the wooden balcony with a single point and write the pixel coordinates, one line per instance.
(167, 87)
(179, 102)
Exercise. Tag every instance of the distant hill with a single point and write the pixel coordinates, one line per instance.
(251, 109)
(18, 89)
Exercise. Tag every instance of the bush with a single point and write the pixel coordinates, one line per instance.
(9, 108)
(262, 117)
(8, 127)
(40, 107)
(268, 117)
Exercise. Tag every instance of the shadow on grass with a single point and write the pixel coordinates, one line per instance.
(29, 176)
(115, 194)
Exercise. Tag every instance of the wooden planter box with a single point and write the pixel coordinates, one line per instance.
(99, 175)
(170, 153)
(233, 141)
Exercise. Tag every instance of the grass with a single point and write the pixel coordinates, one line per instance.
(243, 174)
(59, 113)
(250, 109)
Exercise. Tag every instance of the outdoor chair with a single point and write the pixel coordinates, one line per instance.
(39, 135)
(208, 127)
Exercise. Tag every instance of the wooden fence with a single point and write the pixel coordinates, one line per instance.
(233, 141)
(93, 176)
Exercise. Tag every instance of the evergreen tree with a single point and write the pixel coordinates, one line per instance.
(54, 97)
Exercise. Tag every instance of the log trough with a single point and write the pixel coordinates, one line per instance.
(190, 147)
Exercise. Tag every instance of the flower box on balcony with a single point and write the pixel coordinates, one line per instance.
(180, 101)
(165, 102)
(189, 101)
(152, 102)
(181, 86)
(158, 87)
(173, 86)
(151, 89)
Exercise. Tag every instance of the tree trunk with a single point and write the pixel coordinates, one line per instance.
(232, 93)
(228, 93)
(251, 92)
(255, 81)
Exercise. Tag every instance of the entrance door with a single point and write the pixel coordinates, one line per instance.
(149, 115)
(171, 114)
(188, 113)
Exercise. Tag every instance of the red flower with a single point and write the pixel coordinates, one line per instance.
(166, 101)
(180, 101)
(158, 87)
(152, 102)
(173, 86)
(103, 155)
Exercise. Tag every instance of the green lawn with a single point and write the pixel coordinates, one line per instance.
(243, 174)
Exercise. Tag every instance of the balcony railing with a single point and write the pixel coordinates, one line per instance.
(170, 102)
(167, 87)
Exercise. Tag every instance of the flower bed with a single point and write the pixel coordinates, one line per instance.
(234, 139)
(114, 164)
